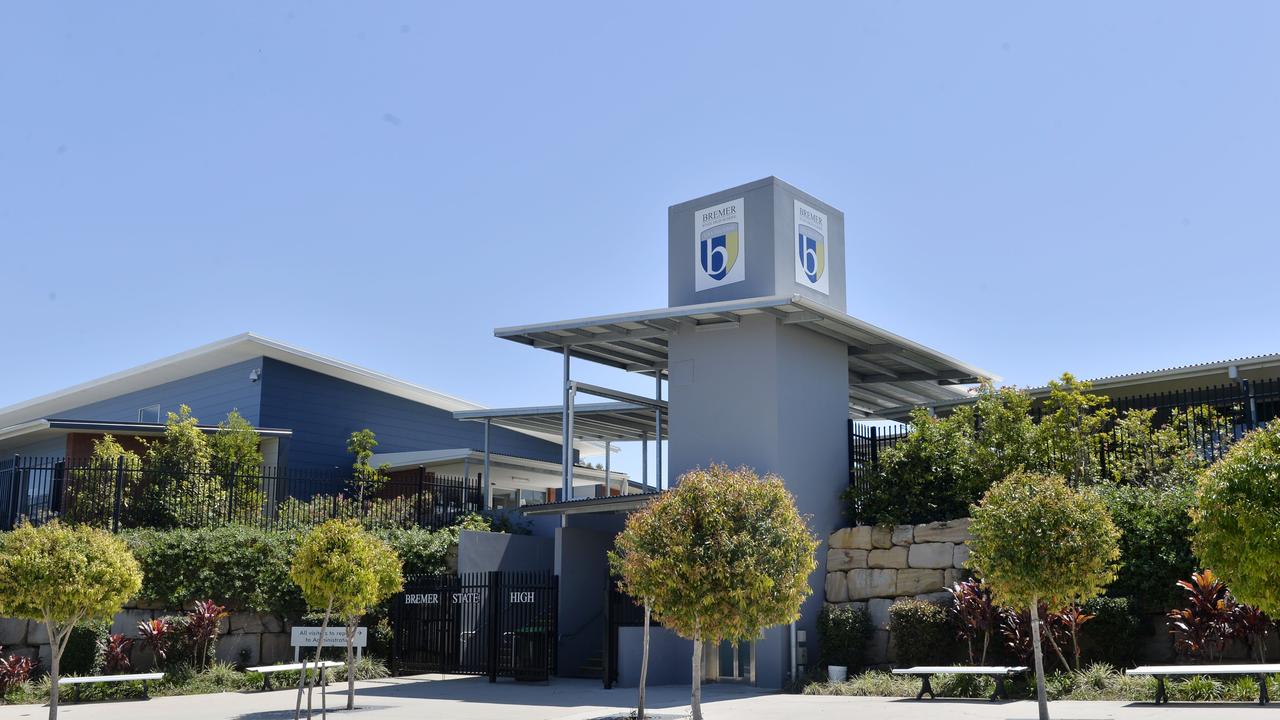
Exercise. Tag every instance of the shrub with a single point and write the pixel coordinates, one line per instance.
(81, 654)
(1112, 635)
(202, 629)
(921, 632)
(240, 567)
(1236, 514)
(843, 631)
(113, 653)
(1155, 541)
(14, 670)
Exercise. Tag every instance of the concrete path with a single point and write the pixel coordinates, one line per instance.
(469, 698)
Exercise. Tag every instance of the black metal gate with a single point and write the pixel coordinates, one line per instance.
(500, 624)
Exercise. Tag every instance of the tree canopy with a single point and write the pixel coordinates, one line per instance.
(1236, 519)
(1035, 538)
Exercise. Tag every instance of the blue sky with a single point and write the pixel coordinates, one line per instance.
(1087, 187)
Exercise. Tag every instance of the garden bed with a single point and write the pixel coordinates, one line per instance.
(1096, 682)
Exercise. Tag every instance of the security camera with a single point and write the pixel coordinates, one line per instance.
(254, 374)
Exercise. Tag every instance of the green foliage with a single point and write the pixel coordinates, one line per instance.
(81, 654)
(1112, 635)
(1034, 538)
(1155, 541)
(236, 443)
(843, 632)
(945, 464)
(366, 478)
(341, 567)
(921, 631)
(720, 557)
(422, 552)
(1236, 514)
(65, 574)
(240, 567)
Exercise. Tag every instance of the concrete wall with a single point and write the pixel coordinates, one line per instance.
(583, 568)
(670, 657)
(774, 398)
(501, 552)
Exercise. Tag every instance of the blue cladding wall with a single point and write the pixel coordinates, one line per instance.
(323, 411)
(211, 395)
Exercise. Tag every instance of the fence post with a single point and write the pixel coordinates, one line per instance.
(231, 491)
(417, 498)
(11, 517)
(119, 495)
(494, 598)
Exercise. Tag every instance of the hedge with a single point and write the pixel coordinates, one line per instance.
(248, 569)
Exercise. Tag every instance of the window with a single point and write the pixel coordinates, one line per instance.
(149, 414)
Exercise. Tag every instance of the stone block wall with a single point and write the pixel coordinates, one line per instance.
(265, 638)
(874, 566)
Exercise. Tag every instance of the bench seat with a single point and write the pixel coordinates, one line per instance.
(995, 672)
(268, 670)
(1160, 672)
(145, 678)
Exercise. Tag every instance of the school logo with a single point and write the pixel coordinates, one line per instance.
(719, 245)
(718, 251)
(811, 248)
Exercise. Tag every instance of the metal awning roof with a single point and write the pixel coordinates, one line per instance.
(610, 421)
(885, 370)
(601, 505)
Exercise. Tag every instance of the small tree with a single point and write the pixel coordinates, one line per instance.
(722, 556)
(1235, 516)
(342, 569)
(61, 575)
(1035, 541)
(381, 578)
(365, 477)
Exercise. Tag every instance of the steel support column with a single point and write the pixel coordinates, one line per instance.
(566, 445)
(644, 462)
(488, 481)
(608, 482)
(657, 432)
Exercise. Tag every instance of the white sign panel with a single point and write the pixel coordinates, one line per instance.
(333, 637)
(810, 249)
(719, 246)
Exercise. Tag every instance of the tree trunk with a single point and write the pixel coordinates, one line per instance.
(55, 657)
(311, 684)
(986, 640)
(696, 703)
(351, 663)
(644, 665)
(1041, 699)
(1053, 643)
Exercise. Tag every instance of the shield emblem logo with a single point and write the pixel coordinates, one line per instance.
(718, 250)
(813, 253)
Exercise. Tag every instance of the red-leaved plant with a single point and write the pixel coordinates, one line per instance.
(1251, 626)
(14, 670)
(975, 615)
(115, 653)
(1201, 628)
(202, 629)
(157, 636)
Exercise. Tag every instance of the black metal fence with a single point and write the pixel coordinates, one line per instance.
(621, 610)
(498, 624)
(1211, 418)
(133, 494)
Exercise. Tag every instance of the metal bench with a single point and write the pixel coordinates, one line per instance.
(1162, 671)
(995, 672)
(146, 678)
(268, 670)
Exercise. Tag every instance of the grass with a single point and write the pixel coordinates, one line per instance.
(1096, 682)
(218, 677)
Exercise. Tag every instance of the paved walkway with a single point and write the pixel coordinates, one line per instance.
(469, 698)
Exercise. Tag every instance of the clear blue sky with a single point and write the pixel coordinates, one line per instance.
(1090, 187)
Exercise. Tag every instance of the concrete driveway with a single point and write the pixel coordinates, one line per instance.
(469, 698)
